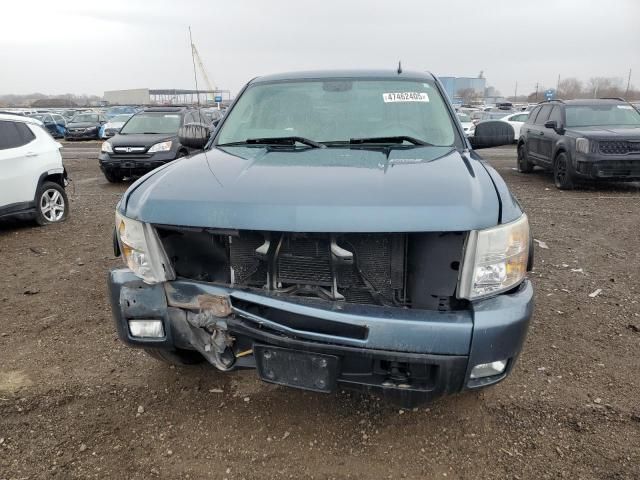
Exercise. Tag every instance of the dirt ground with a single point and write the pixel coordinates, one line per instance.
(76, 403)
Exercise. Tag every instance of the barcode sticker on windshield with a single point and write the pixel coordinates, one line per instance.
(625, 107)
(405, 97)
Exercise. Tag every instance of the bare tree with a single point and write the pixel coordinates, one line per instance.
(538, 96)
(570, 88)
(599, 87)
(467, 94)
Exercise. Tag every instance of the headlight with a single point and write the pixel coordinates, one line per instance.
(161, 147)
(142, 250)
(107, 147)
(582, 145)
(495, 259)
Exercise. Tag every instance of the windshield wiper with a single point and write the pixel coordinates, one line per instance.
(275, 141)
(395, 139)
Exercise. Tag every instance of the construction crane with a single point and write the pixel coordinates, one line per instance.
(203, 71)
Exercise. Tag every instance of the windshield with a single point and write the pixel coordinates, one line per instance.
(464, 117)
(152, 122)
(596, 115)
(338, 110)
(85, 118)
(120, 118)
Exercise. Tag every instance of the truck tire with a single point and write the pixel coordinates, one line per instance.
(52, 204)
(175, 357)
(562, 172)
(524, 165)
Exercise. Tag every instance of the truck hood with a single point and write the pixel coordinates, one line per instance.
(319, 190)
(601, 132)
(140, 139)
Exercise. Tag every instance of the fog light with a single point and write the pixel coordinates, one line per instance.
(488, 369)
(146, 328)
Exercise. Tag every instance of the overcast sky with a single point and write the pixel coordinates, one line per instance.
(90, 46)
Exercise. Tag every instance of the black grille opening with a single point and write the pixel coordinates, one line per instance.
(370, 271)
(618, 147)
(406, 270)
(196, 253)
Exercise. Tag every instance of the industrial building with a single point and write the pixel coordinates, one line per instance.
(145, 96)
(454, 86)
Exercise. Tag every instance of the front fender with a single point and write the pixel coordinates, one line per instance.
(510, 208)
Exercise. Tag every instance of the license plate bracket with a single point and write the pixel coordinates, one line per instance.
(297, 369)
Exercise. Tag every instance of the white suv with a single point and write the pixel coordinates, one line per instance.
(32, 177)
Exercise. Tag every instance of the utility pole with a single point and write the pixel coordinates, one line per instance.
(515, 94)
(558, 85)
(536, 92)
(626, 93)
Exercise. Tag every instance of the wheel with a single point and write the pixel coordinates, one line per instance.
(175, 357)
(112, 176)
(562, 172)
(52, 205)
(524, 165)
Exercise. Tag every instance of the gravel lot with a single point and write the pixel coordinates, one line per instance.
(76, 403)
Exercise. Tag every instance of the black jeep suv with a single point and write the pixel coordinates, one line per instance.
(582, 139)
(148, 139)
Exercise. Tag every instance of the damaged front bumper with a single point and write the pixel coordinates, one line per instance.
(403, 354)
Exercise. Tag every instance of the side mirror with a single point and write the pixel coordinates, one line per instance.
(194, 135)
(492, 133)
(553, 124)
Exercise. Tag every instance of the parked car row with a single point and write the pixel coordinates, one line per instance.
(516, 120)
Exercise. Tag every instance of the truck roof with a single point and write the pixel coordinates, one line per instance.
(361, 74)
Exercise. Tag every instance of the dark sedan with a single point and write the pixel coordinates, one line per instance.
(84, 126)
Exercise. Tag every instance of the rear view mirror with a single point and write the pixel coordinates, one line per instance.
(492, 133)
(194, 135)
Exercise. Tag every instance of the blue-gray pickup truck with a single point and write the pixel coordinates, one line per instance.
(336, 230)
